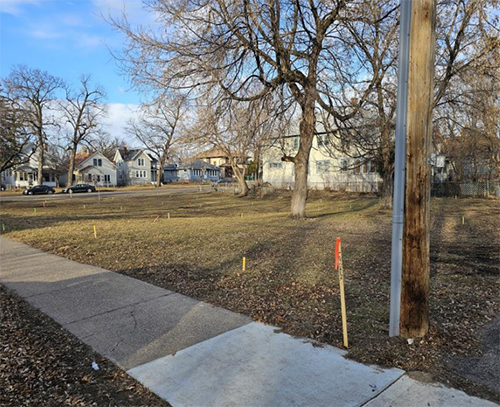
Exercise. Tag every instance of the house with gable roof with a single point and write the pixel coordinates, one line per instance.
(135, 167)
(94, 169)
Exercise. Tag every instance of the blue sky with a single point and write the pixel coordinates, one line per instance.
(67, 38)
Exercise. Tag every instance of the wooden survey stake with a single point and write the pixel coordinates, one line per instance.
(339, 266)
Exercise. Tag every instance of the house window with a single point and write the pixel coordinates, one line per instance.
(141, 174)
(322, 166)
(365, 167)
(97, 162)
(197, 173)
(275, 165)
(344, 164)
(296, 143)
(140, 162)
(107, 178)
(322, 140)
(373, 166)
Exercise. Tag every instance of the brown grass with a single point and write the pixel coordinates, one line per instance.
(289, 281)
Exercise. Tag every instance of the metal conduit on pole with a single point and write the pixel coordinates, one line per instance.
(399, 170)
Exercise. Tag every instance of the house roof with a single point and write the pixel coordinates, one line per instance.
(79, 165)
(215, 152)
(197, 164)
(26, 168)
(151, 157)
(129, 155)
(81, 157)
(212, 153)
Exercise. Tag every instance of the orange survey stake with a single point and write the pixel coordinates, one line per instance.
(340, 268)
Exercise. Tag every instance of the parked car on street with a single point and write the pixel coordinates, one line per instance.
(79, 188)
(227, 181)
(39, 189)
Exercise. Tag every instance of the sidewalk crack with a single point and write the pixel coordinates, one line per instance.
(116, 309)
(134, 327)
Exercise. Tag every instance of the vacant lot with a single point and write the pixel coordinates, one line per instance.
(194, 244)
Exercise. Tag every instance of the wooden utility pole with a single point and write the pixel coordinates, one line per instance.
(415, 272)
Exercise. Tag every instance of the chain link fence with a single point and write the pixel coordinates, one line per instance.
(466, 189)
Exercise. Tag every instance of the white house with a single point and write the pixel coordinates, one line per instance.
(95, 169)
(26, 175)
(328, 168)
(135, 167)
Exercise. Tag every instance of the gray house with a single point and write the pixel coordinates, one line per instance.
(195, 171)
(135, 167)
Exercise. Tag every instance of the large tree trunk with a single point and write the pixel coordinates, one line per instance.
(416, 262)
(256, 158)
(71, 167)
(301, 161)
(159, 171)
(387, 187)
(243, 185)
(41, 152)
(240, 176)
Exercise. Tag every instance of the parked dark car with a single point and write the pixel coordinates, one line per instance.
(79, 188)
(39, 189)
(227, 181)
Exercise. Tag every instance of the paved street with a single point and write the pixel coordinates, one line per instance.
(97, 195)
(194, 354)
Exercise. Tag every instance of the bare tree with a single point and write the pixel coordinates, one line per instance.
(82, 111)
(467, 40)
(105, 144)
(250, 49)
(14, 136)
(469, 133)
(374, 36)
(57, 155)
(34, 91)
(238, 129)
(158, 127)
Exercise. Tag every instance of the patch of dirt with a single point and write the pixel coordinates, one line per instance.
(41, 364)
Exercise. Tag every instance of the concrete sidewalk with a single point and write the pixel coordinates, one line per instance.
(194, 354)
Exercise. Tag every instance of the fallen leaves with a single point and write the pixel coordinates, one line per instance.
(42, 364)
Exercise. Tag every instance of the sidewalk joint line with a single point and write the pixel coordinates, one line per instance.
(383, 390)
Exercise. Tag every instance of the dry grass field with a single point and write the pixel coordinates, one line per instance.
(194, 244)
